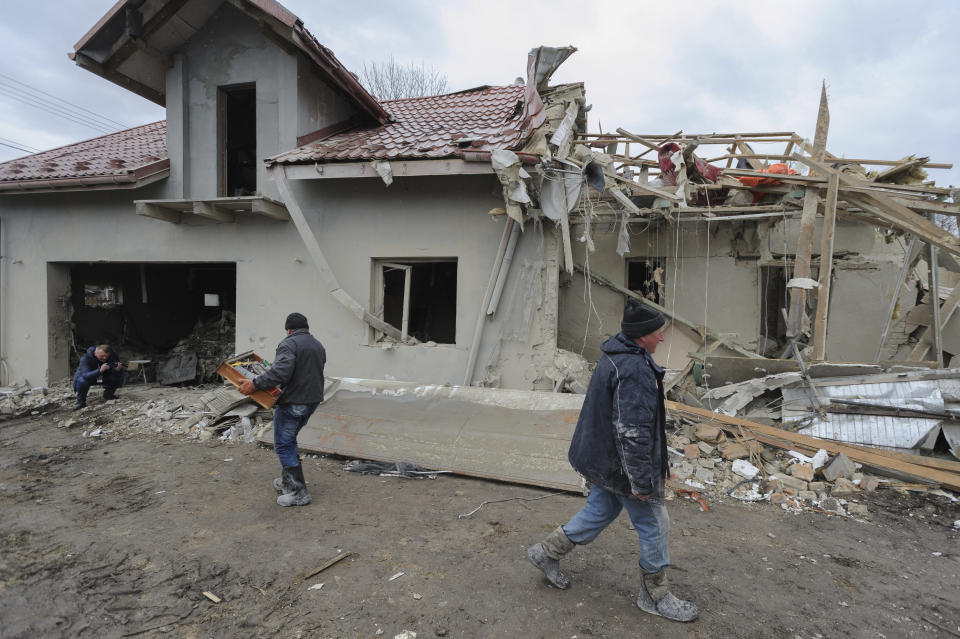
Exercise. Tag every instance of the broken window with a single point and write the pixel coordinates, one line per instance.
(419, 298)
(102, 295)
(238, 140)
(645, 276)
(773, 297)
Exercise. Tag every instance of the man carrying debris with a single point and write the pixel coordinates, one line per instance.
(298, 369)
(620, 447)
(96, 362)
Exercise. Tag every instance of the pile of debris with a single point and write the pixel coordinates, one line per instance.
(211, 342)
(22, 399)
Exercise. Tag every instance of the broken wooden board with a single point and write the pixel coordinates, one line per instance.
(514, 436)
(730, 370)
(790, 440)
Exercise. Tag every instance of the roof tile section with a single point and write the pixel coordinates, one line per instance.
(117, 154)
(427, 128)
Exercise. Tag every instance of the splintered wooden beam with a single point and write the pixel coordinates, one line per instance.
(826, 270)
(888, 210)
(157, 212)
(212, 211)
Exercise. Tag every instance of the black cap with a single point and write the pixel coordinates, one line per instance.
(639, 319)
(295, 321)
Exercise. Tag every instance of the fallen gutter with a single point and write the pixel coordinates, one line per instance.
(278, 175)
(488, 294)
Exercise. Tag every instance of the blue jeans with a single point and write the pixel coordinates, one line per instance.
(288, 419)
(650, 520)
(112, 380)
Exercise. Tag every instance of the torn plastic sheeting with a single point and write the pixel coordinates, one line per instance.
(559, 189)
(623, 237)
(564, 134)
(870, 430)
(805, 283)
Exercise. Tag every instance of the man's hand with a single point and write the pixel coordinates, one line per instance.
(119, 366)
(641, 497)
(246, 387)
(104, 368)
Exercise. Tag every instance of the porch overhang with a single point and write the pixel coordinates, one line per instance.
(220, 209)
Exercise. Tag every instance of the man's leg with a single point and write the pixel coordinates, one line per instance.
(82, 387)
(602, 507)
(112, 380)
(292, 485)
(652, 523)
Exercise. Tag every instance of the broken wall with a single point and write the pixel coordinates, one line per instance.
(726, 291)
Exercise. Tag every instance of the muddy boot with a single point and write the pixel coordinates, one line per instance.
(547, 554)
(655, 597)
(281, 484)
(293, 476)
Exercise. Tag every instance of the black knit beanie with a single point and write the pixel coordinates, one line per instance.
(639, 319)
(295, 321)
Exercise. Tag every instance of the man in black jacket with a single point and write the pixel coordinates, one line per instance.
(298, 369)
(620, 446)
(98, 361)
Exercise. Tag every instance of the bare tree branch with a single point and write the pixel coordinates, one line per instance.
(390, 80)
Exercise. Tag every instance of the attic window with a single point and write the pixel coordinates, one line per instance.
(238, 140)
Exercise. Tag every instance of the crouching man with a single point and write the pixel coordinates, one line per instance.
(96, 362)
(619, 445)
(298, 369)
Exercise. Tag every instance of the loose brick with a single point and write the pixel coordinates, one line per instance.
(843, 487)
(869, 483)
(708, 433)
(802, 471)
(791, 482)
(734, 450)
(691, 451)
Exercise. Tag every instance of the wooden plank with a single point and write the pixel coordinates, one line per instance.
(947, 310)
(888, 210)
(826, 270)
(271, 209)
(158, 212)
(909, 259)
(212, 211)
(636, 138)
(899, 168)
(858, 454)
(933, 277)
(801, 264)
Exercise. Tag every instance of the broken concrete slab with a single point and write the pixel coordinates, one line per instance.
(508, 435)
(841, 466)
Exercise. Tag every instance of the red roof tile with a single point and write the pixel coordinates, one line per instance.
(123, 154)
(430, 127)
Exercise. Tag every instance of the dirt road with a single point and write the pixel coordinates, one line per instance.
(105, 539)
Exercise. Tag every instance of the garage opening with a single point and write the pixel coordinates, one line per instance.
(174, 322)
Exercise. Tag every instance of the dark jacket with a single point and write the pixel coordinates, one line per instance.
(89, 368)
(620, 440)
(298, 368)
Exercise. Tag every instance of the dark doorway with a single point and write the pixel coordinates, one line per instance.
(148, 310)
(238, 139)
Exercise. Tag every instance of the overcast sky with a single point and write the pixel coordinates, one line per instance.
(890, 67)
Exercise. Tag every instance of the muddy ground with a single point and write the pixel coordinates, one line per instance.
(120, 537)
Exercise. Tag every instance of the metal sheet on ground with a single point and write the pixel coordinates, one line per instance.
(445, 433)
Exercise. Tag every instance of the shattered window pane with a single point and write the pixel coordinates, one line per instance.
(431, 310)
(102, 295)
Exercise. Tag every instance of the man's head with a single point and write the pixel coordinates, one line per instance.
(643, 324)
(295, 321)
(102, 352)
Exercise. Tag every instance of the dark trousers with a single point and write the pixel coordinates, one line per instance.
(112, 380)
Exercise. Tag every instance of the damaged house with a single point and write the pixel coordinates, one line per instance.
(483, 237)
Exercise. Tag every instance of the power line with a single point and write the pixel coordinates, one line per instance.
(15, 147)
(26, 147)
(66, 116)
(119, 125)
(33, 100)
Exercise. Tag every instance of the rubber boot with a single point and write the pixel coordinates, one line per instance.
(655, 597)
(546, 556)
(294, 478)
(281, 485)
